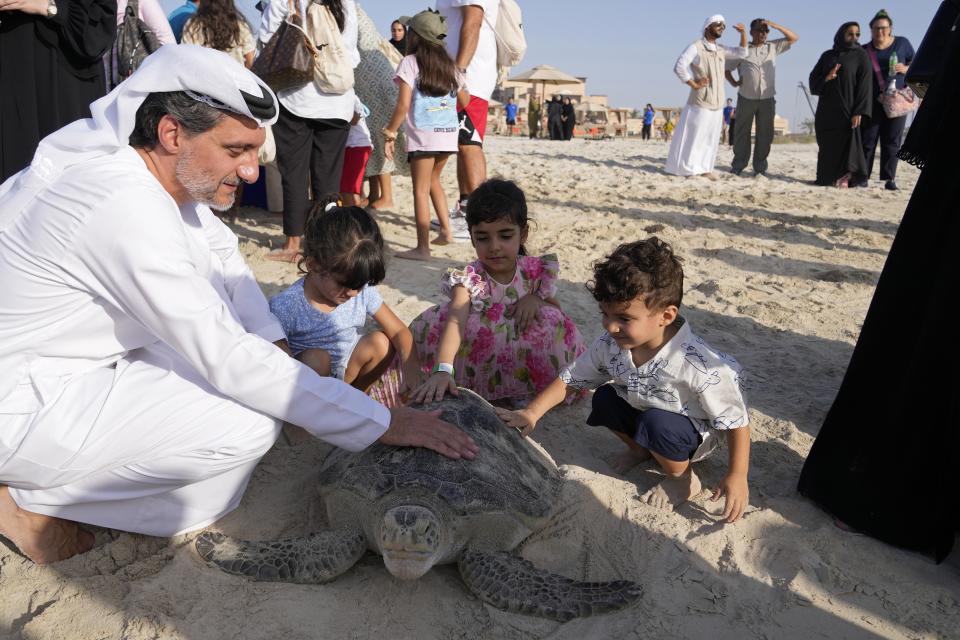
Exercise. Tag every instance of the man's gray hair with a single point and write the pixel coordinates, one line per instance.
(195, 116)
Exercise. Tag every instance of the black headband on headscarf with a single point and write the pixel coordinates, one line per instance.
(839, 42)
(263, 106)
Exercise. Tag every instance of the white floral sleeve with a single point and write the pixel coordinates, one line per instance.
(589, 371)
(469, 278)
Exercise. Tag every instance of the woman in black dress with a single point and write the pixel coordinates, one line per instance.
(841, 78)
(569, 117)
(886, 457)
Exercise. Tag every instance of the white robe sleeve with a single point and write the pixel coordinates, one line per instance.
(687, 58)
(139, 261)
(242, 287)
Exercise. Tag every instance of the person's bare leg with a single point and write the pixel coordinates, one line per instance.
(474, 167)
(290, 251)
(373, 187)
(370, 359)
(679, 486)
(384, 197)
(421, 172)
(439, 199)
(634, 455)
(43, 539)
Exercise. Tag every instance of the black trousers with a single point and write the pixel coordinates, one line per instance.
(645, 132)
(310, 158)
(556, 128)
(889, 133)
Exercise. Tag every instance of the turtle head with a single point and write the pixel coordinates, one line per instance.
(409, 538)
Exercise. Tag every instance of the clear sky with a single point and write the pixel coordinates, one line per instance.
(627, 48)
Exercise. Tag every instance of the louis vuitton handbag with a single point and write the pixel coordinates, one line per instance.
(288, 59)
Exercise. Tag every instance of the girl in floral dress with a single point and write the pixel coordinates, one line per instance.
(502, 334)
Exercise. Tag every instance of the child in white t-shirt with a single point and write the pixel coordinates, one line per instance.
(355, 157)
(430, 87)
(659, 387)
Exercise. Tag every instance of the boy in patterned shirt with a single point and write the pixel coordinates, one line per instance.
(659, 387)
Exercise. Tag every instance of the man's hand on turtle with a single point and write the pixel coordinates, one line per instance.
(414, 428)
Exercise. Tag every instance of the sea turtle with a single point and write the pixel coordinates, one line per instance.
(418, 509)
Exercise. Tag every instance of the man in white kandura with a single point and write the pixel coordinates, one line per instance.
(142, 376)
(693, 150)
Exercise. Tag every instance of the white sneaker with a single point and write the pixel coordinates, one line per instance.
(455, 212)
(458, 226)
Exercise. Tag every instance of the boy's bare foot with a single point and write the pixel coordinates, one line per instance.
(443, 238)
(673, 491)
(413, 254)
(43, 539)
(380, 203)
(623, 462)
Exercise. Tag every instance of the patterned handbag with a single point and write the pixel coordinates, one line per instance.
(288, 60)
(898, 102)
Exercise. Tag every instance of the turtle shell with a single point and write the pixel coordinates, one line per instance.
(509, 474)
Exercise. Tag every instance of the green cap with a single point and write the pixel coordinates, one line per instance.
(429, 25)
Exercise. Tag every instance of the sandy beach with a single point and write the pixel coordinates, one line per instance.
(779, 273)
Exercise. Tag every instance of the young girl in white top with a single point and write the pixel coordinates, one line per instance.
(429, 89)
(359, 147)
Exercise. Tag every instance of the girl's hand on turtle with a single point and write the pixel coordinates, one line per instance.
(413, 378)
(435, 387)
(520, 420)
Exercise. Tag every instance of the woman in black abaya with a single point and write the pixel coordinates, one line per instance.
(841, 78)
(886, 458)
(569, 117)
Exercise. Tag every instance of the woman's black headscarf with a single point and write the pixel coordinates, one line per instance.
(840, 42)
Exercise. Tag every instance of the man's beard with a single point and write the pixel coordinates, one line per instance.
(200, 184)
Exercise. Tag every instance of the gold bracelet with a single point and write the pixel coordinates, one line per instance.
(389, 136)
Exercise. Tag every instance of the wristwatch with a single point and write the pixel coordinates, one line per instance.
(51, 8)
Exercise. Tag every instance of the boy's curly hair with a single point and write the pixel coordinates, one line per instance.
(645, 268)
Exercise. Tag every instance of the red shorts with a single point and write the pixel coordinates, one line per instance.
(354, 166)
(473, 122)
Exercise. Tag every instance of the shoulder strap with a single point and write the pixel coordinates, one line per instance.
(876, 64)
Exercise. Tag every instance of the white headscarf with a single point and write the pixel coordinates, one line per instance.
(212, 76)
(714, 18)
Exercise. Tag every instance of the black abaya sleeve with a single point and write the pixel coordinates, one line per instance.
(818, 77)
(863, 86)
(82, 31)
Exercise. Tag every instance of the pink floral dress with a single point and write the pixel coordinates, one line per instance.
(492, 360)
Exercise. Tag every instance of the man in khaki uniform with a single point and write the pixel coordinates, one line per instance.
(756, 96)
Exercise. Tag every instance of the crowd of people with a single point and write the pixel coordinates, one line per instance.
(855, 83)
(116, 344)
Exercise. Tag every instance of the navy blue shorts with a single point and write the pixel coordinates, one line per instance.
(668, 434)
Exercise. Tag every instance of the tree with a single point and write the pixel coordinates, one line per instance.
(809, 125)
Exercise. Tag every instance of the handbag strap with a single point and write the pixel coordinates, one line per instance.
(876, 65)
(294, 8)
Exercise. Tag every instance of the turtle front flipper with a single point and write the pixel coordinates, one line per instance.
(312, 559)
(511, 583)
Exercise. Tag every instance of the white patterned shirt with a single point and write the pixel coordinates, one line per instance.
(686, 376)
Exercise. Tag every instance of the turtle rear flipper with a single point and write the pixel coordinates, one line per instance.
(511, 583)
(312, 559)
